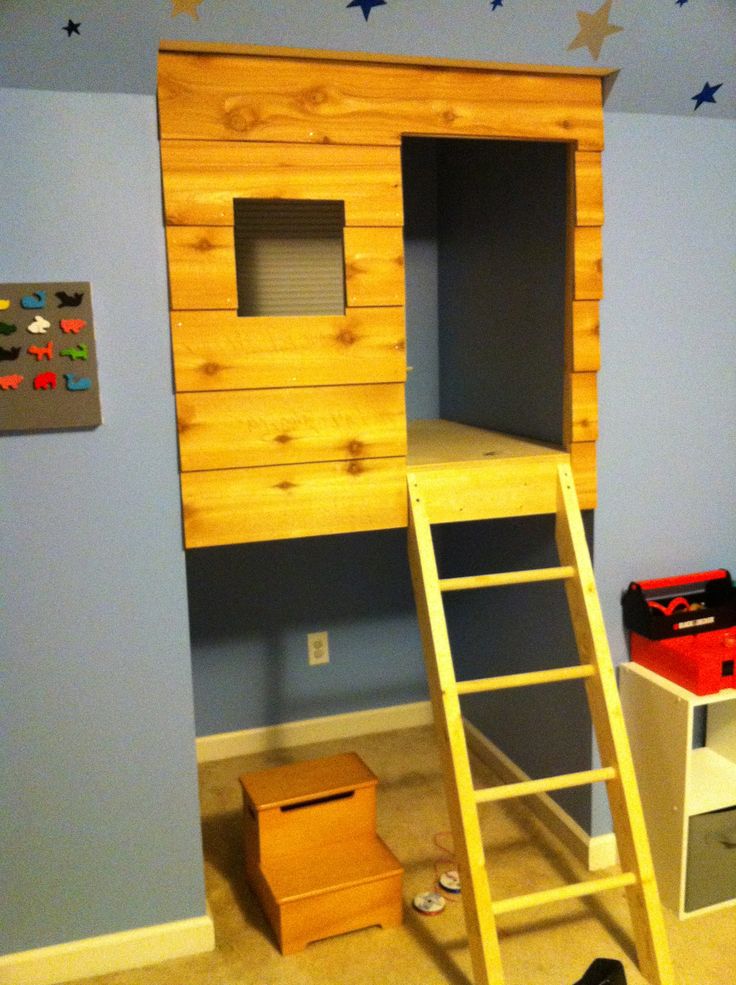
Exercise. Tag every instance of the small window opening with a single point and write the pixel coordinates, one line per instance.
(289, 257)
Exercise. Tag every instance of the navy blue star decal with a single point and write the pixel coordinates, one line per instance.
(681, 3)
(706, 94)
(72, 27)
(366, 5)
(496, 3)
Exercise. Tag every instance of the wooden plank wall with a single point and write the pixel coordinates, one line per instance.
(288, 426)
(584, 291)
(292, 426)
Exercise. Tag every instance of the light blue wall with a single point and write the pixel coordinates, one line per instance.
(667, 386)
(99, 824)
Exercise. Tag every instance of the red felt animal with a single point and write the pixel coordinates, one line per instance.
(74, 325)
(41, 352)
(10, 382)
(45, 381)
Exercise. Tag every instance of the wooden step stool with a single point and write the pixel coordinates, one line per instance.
(312, 855)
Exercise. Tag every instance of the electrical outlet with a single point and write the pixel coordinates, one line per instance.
(318, 649)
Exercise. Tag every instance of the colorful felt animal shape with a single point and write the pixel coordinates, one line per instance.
(36, 300)
(8, 355)
(44, 381)
(10, 382)
(74, 325)
(4, 303)
(76, 352)
(83, 383)
(7, 329)
(41, 352)
(69, 300)
(38, 325)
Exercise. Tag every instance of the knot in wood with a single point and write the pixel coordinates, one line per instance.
(240, 119)
(355, 447)
(355, 468)
(283, 439)
(286, 485)
(346, 337)
(203, 245)
(315, 97)
(210, 369)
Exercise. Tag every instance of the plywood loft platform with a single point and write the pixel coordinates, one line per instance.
(469, 473)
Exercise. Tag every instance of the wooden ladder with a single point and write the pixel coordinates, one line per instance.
(617, 771)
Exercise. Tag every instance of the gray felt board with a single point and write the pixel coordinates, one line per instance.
(48, 360)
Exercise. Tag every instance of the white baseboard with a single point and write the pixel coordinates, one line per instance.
(227, 745)
(594, 851)
(108, 953)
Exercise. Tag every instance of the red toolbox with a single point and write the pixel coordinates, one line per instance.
(684, 628)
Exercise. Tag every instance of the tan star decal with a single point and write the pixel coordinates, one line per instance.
(594, 29)
(186, 7)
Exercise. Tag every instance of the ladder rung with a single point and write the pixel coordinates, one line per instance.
(526, 680)
(525, 788)
(559, 893)
(506, 578)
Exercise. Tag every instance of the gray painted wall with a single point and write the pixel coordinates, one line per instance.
(100, 830)
(502, 228)
(545, 730)
(500, 234)
(419, 173)
(252, 605)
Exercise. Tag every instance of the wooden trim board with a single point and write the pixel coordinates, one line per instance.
(267, 51)
(226, 745)
(108, 953)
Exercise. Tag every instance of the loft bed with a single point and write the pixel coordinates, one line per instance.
(291, 410)
(284, 206)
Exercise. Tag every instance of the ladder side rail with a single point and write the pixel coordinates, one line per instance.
(478, 907)
(607, 715)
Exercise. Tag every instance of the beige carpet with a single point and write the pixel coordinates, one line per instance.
(553, 946)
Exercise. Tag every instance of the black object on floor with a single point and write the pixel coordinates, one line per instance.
(604, 971)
